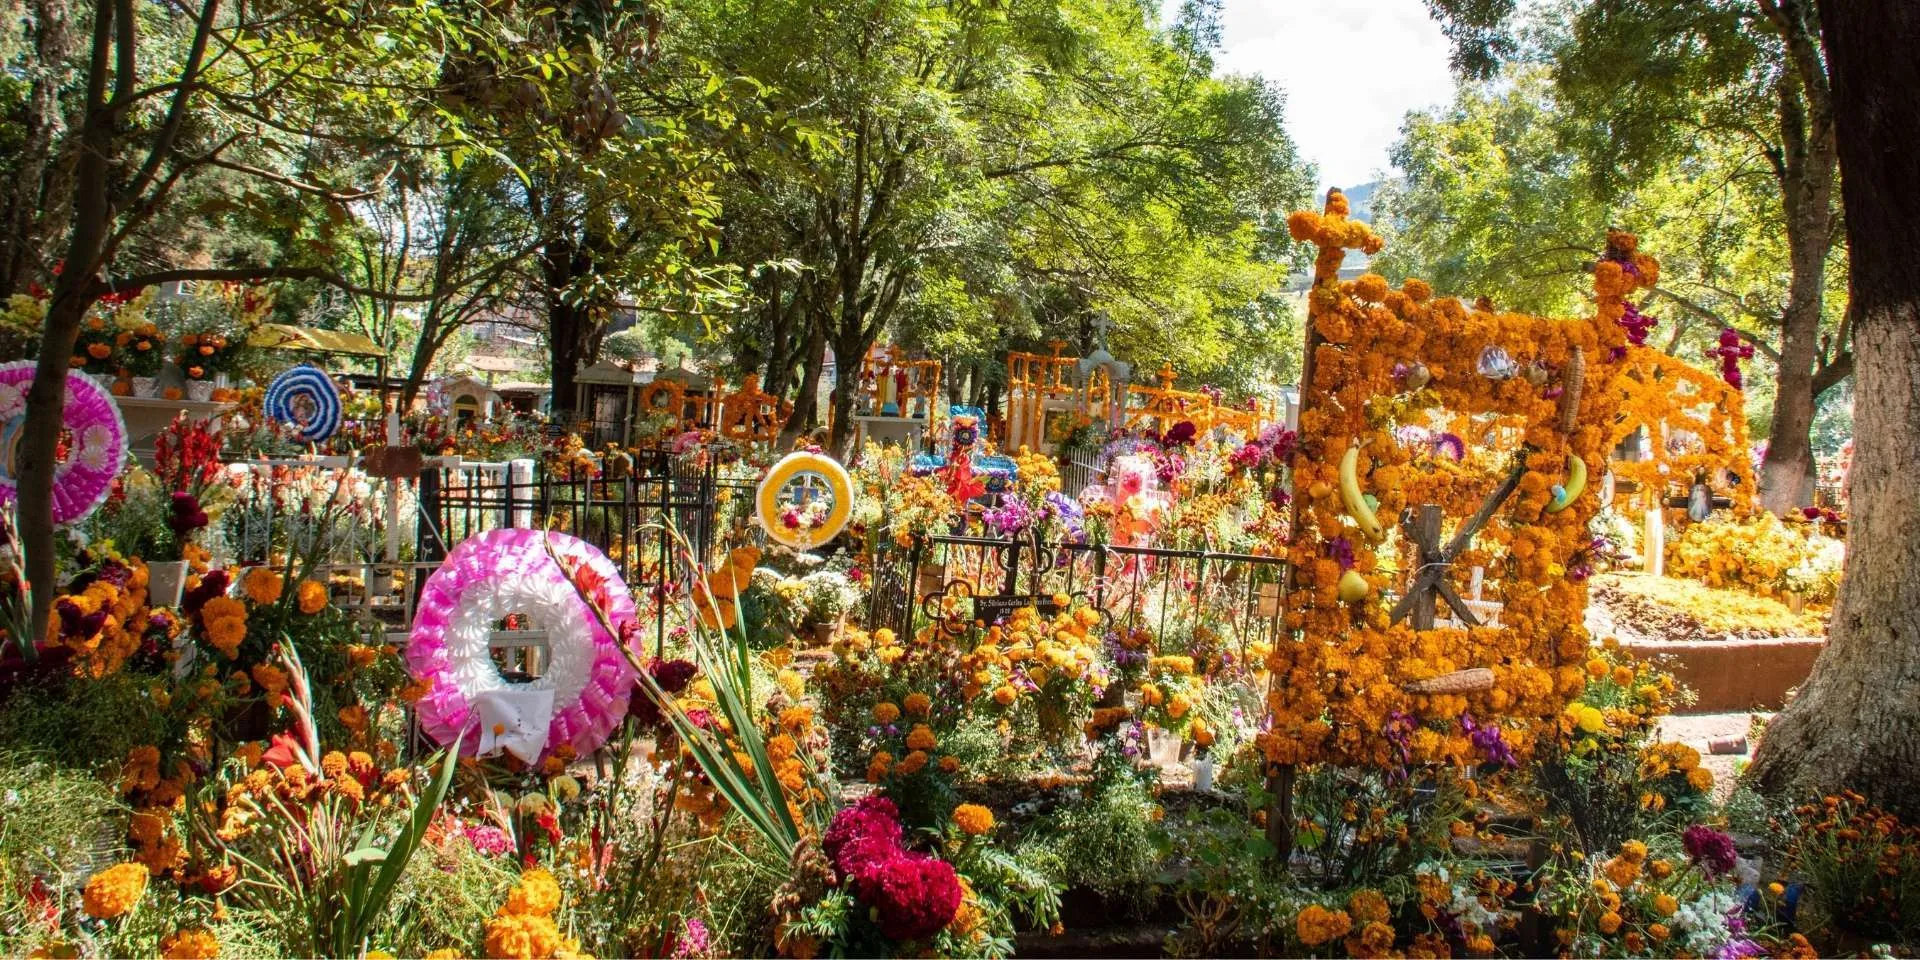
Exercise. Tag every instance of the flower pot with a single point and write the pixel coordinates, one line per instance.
(144, 386)
(380, 583)
(200, 390)
(165, 578)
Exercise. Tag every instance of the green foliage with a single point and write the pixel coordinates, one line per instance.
(1105, 841)
(58, 826)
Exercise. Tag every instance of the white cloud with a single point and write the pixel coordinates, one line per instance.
(1351, 69)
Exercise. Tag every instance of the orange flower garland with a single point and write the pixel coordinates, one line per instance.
(1338, 687)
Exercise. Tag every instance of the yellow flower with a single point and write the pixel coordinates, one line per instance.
(113, 891)
(1597, 668)
(1609, 922)
(1004, 695)
(973, 819)
(313, 596)
(1700, 778)
(195, 944)
(537, 894)
(263, 586)
(1664, 904)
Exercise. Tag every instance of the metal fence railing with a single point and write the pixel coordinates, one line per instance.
(1165, 590)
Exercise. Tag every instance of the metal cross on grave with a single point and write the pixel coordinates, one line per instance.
(1422, 526)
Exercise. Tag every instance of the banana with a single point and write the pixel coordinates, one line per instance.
(1563, 497)
(1355, 501)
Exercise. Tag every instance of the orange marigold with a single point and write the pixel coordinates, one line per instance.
(113, 891)
(973, 819)
(1316, 924)
(195, 944)
(313, 596)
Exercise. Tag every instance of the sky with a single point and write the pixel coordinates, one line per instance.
(1351, 69)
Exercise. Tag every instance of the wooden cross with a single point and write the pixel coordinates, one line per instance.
(1430, 576)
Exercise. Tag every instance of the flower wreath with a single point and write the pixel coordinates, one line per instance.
(802, 526)
(1355, 688)
(306, 399)
(501, 572)
(83, 480)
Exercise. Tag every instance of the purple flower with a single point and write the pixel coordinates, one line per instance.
(1341, 550)
(1489, 741)
(694, 941)
(1711, 849)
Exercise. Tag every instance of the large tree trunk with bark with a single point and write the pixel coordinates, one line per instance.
(806, 403)
(570, 324)
(1856, 723)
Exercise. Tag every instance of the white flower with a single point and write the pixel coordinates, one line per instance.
(96, 448)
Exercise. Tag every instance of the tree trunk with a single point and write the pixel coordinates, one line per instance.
(806, 404)
(73, 292)
(570, 326)
(1856, 722)
(849, 350)
(1808, 158)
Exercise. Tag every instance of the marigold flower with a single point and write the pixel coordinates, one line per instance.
(973, 819)
(921, 738)
(885, 712)
(1317, 925)
(114, 891)
(1609, 922)
(194, 944)
(263, 586)
(312, 596)
(917, 704)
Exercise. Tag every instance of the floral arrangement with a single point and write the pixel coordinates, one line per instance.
(1354, 671)
(1760, 554)
(1704, 420)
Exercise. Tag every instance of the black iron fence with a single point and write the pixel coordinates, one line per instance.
(1234, 596)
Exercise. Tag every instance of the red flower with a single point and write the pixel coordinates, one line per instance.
(913, 896)
(281, 753)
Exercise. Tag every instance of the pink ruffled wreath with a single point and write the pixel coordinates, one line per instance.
(491, 575)
(97, 448)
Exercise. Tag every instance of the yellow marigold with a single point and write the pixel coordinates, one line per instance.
(1700, 778)
(444, 953)
(885, 712)
(195, 944)
(537, 894)
(1623, 675)
(1597, 668)
(263, 586)
(1004, 695)
(973, 819)
(313, 596)
(1316, 924)
(921, 738)
(1659, 932)
(1368, 906)
(1609, 922)
(512, 936)
(1178, 706)
(1634, 851)
(1664, 904)
(114, 891)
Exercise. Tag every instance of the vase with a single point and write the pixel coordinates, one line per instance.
(1796, 601)
(144, 386)
(165, 578)
(200, 390)
(1203, 774)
